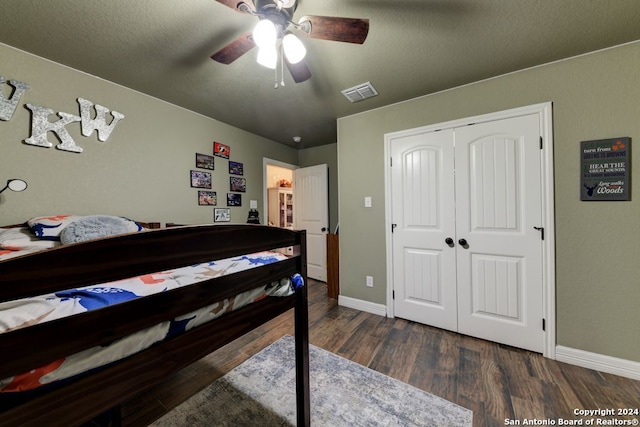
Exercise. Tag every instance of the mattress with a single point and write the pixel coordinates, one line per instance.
(30, 311)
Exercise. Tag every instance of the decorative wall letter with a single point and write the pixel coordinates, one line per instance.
(99, 123)
(8, 106)
(40, 125)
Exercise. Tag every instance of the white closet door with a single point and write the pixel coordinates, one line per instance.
(481, 186)
(498, 204)
(423, 217)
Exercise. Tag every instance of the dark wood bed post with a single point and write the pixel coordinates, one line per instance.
(301, 316)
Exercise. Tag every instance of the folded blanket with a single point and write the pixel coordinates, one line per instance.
(95, 227)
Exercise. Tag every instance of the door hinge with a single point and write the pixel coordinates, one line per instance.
(541, 143)
(391, 161)
(393, 227)
(544, 324)
(393, 294)
(541, 230)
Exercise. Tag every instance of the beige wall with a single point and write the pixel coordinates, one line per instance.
(597, 243)
(141, 171)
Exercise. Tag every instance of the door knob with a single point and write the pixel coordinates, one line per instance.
(462, 242)
(323, 229)
(448, 241)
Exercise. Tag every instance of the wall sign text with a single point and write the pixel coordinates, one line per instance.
(606, 169)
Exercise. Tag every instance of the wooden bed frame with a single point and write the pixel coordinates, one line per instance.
(130, 255)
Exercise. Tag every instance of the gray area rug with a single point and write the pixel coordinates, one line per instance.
(261, 392)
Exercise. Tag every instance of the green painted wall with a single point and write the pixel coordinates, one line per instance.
(141, 171)
(597, 243)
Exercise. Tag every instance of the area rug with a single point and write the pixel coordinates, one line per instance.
(261, 392)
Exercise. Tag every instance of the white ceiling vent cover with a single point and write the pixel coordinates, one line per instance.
(360, 92)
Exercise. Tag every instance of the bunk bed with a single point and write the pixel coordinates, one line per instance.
(105, 260)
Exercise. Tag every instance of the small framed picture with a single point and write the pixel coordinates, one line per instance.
(221, 215)
(204, 161)
(207, 198)
(238, 184)
(200, 179)
(221, 150)
(236, 168)
(234, 199)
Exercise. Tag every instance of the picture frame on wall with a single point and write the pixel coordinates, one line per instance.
(207, 198)
(605, 166)
(221, 150)
(236, 168)
(204, 161)
(237, 184)
(200, 179)
(221, 215)
(234, 199)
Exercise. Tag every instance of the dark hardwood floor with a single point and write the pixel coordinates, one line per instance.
(496, 382)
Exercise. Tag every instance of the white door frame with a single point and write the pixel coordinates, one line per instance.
(546, 176)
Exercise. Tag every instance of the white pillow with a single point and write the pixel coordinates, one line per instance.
(50, 227)
(20, 238)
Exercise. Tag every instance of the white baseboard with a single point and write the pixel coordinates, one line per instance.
(358, 304)
(599, 362)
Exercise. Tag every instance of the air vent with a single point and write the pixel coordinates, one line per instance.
(360, 92)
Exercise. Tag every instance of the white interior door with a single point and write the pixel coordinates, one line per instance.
(480, 186)
(424, 274)
(498, 204)
(311, 213)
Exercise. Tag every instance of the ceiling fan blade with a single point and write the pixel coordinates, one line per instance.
(300, 72)
(235, 49)
(350, 30)
(238, 5)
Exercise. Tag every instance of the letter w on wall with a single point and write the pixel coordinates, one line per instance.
(99, 123)
(8, 106)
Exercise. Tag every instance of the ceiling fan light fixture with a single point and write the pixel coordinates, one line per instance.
(293, 48)
(268, 57)
(265, 34)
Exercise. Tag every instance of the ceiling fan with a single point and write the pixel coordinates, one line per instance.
(274, 37)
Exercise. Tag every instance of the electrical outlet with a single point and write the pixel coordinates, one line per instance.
(370, 281)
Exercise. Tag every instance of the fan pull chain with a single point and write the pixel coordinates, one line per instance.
(281, 66)
(281, 59)
(275, 71)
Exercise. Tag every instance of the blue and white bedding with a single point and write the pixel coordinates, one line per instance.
(29, 311)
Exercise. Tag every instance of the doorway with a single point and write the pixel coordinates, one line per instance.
(278, 183)
(470, 240)
(298, 198)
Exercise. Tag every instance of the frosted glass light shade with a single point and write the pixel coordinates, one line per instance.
(268, 57)
(264, 34)
(293, 48)
(15, 185)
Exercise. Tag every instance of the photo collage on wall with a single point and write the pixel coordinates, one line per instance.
(203, 181)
